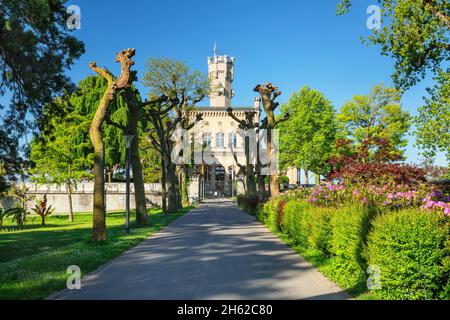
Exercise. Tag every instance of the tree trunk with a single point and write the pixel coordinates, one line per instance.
(317, 179)
(69, 198)
(99, 214)
(261, 188)
(250, 180)
(108, 175)
(163, 186)
(138, 180)
(95, 132)
(43, 221)
(306, 177)
(273, 174)
(172, 182)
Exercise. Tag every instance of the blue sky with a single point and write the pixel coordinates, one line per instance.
(290, 43)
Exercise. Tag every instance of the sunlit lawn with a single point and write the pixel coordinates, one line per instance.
(34, 260)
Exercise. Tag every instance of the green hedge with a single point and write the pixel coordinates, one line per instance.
(321, 231)
(411, 249)
(296, 222)
(350, 228)
(269, 215)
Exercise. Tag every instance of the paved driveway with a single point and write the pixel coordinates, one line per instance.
(214, 252)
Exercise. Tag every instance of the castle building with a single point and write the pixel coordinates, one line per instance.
(219, 131)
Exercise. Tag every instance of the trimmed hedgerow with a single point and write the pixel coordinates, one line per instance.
(296, 219)
(411, 249)
(351, 226)
(321, 231)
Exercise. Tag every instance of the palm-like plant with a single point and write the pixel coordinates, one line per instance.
(18, 215)
(2, 216)
(41, 209)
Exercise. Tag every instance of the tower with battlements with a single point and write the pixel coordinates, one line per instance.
(221, 75)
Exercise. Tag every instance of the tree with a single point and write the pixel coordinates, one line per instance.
(60, 155)
(269, 94)
(307, 139)
(375, 116)
(417, 38)
(433, 120)
(10, 159)
(249, 130)
(173, 91)
(134, 114)
(63, 152)
(35, 51)
(372, 161)
(95, 132)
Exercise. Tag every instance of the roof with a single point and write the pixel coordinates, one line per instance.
(237, 108)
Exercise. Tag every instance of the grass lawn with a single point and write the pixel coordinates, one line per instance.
(34, 260)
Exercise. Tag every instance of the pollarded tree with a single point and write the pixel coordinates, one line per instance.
(307, 139)
(249, 130)
(95, 132)
(269, 94)
(416, 34)
(378, 115)
(173, 91)
(132, 100)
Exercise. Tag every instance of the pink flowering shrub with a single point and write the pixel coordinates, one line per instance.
(437, 202)
(386, 196)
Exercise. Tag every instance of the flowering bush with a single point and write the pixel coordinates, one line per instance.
(437, 202)
(384, 196)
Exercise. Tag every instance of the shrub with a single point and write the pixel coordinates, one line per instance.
(280, 212)
(296, 219)
(320, 229)
(269, 215)
(351, 226)
(248, 203)
(42, 210)
(411, 249)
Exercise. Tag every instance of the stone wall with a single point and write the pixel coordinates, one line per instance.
(82, 197)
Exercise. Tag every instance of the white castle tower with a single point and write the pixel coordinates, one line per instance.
(221, 75)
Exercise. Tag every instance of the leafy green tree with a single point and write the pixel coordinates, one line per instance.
(416, 34)
(62, 155)
(433, 120)
(377, 115)
(307, 139)
(10, 159)
(35, 51)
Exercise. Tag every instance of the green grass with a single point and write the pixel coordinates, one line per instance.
(34, 260)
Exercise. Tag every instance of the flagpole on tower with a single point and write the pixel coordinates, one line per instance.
(215, 47)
